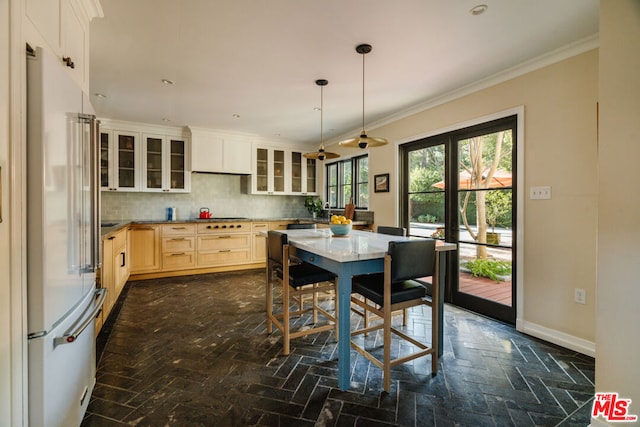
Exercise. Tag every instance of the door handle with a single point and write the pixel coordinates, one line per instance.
(70, 336)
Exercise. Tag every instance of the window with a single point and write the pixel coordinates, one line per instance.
(348, 178)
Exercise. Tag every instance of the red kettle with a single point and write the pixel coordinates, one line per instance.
(204, 213)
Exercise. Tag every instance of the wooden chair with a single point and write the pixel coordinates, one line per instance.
(397, 289)
(392, 231)
(297, 280)
(300, 226)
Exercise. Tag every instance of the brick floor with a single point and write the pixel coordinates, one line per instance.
(193, 351)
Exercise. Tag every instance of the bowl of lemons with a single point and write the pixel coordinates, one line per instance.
(339, 225)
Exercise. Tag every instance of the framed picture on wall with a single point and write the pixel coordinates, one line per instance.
(381, 183)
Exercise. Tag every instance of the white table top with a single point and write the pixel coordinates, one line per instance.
(356, 246)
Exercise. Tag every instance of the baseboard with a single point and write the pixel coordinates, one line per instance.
(556, 337)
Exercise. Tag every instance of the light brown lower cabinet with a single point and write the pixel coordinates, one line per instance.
(221, 244)
(145, 245)
(258, 241)
(114, 271)
(178, 246)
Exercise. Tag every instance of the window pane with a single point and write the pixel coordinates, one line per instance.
(497, 214)
(332, 172)
(347, 180)
(361, 198)
(363, 195)
(426, 214)
(426, 192)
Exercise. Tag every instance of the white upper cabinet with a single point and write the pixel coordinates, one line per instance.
(119, 160)
(143, 158)
(62, 27)
(220, 152)
(278, 170)
(165, 162)
(303, 174)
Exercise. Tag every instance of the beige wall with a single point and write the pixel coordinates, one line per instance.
(560, 144)
(5, 294)
(618, 312)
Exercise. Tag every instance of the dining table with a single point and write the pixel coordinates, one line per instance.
(359, 252)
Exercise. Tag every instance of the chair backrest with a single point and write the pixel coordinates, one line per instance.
(394, 231)
(308, 225)
(412, 259)
(276, 241)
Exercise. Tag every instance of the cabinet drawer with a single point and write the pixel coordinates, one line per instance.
(224, 257)
(259, 226)
(178, 260)
(120, 240)
(178, 244)
(178, 229)
(279, 225)
(224, 242)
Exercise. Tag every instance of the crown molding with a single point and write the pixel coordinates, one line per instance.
(573, 49)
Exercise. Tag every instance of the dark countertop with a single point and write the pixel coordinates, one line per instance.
(117, 225)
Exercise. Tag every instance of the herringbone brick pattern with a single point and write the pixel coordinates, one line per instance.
(193, 351)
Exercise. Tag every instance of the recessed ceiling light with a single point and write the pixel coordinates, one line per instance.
(100, 95)
(236, 116)
(164, 119)
(316, 108)
(479, 9)
(167, 81)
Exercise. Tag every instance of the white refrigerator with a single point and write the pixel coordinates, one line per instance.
(63, 231)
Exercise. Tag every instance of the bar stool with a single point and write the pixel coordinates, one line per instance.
(296, 280)
(397, 289)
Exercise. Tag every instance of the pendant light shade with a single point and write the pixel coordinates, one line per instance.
(363, 141)
(321, 154)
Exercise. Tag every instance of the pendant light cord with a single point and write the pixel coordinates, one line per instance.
(363, 55)
(321, 115)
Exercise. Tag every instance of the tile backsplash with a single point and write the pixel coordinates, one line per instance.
(222, 194)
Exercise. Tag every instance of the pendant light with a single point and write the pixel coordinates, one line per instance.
(321, 154)
(363, 141)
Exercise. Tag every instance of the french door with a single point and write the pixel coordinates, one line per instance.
(460, 187)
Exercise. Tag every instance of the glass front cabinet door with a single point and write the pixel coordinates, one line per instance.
(311, 177)
(164, 164)
(119, 153)
(107, 181)
(283, 171)
(270, 171)
(303, 174)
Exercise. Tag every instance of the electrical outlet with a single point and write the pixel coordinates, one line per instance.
(580, 296)
(540, 193)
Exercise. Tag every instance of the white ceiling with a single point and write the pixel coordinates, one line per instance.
(259, 59)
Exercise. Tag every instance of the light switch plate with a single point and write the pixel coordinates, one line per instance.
(540, 193)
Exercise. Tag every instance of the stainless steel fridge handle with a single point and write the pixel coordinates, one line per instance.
(70, 337)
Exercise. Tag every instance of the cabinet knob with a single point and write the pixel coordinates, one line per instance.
(68, 61)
